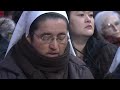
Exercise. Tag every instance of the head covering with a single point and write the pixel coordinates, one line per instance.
(24, 24)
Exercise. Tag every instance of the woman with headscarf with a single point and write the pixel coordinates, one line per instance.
(39, 49)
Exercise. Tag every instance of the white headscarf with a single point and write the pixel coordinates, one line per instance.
(24, 24)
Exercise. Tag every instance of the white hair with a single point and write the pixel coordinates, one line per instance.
(101, 17)
(6, 25)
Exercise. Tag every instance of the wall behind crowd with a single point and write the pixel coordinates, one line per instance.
(1, 13)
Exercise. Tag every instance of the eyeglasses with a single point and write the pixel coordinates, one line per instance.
(47, 39)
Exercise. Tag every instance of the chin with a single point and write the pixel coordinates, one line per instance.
(89, 34)
(117, 36)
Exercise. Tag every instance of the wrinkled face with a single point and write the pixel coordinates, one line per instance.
(50, 39)
(82, 23)
(111, 26)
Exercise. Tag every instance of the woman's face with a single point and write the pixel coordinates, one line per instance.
(111, 26)
(81, 23)
(50, 39)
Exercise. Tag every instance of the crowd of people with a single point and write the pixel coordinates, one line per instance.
(59, 45)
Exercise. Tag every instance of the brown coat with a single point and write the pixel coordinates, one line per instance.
(76, 69)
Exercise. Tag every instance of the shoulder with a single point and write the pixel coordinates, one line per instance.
(9, 69)
(106, 45)
(101, 46)
(79, 68)
(115, 66)
(76, 60)
(109, 50)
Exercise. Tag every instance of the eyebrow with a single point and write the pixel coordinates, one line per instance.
(51, 34)
(61, 34)
(46, 34)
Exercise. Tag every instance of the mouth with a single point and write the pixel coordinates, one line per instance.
(116, 34)
(53, 54)
(88, 27)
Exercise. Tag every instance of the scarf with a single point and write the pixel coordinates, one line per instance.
(113, 40)
(36, 66)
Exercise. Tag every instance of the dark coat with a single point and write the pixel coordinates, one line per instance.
(99, 56)
(115, 74)
(76, 69)
(3, 47)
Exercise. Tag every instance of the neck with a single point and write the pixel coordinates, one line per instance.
(79, 42)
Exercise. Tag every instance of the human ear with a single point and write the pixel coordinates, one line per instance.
(28, 39)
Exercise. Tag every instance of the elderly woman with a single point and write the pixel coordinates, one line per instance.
(108, 25)
(89, 46)
(39, 49)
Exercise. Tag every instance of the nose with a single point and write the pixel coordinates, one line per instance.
(87, 19)
(54, 45)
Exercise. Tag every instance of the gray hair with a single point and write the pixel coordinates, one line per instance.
(100, 19)
(6, 26)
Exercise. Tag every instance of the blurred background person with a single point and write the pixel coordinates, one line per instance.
(6, 29)
(108, 25)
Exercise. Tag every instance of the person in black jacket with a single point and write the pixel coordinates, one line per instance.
(89, 45)
(39, 49)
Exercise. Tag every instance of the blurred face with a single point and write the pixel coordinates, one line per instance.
(50, 39)
(82, 23)
(111, 27)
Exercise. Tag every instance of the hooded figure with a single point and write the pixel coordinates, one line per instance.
(40, 49)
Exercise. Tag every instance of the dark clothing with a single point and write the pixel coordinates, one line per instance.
(115, 74)
(99, 56)
(23, 62)
(3, 47)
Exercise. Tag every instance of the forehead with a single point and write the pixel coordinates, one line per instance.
(74, 12)
(52, 26)
(111, 19)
